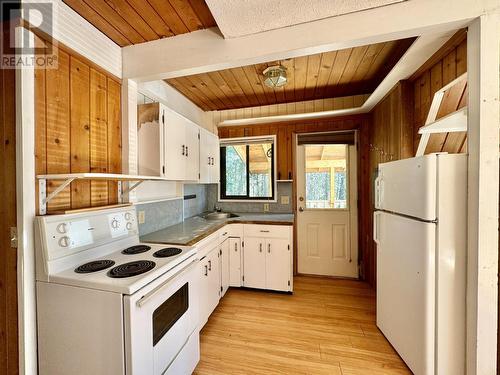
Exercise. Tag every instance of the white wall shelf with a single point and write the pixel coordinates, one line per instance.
(454, 122)
(68, 178)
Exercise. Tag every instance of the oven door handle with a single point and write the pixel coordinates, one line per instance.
(145, 298)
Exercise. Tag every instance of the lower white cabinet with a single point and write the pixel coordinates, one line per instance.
(224, 264)
(209, 284)
(278, 270)
(254, 263)
(267, 257)
(249, 255)
(235, 261)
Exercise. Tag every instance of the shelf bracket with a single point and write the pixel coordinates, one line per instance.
(130, 188)
(43, 198)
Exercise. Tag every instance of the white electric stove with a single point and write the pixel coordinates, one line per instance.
(108, 304)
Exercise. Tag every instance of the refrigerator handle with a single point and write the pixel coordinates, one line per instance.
(379, 192)
(376, 216)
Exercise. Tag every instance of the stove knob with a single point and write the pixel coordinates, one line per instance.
(115, 224)
(62, 228)
(129, 226)
(128, 216)
(64, 241)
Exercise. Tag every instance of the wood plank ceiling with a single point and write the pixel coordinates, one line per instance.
(345, 72)
(129, 22)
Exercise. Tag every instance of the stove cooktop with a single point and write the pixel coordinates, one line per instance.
(125, 270)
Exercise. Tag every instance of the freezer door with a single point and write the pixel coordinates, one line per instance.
(406, 288)
(408, 187)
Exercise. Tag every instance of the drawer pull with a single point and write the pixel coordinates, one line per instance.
(206, 270)
(210, 265)
(269, 248)
(235, 247)
(264, 231)
(260, 248)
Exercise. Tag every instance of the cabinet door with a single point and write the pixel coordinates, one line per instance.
(277, 264)
(205, 156)
(215, 154)
(254, 263)
(224, 263)
(235, 262)
(204, 287)
(214, 279)
(192, 151)
(175, 146)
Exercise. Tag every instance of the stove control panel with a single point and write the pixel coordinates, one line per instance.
(71, 233)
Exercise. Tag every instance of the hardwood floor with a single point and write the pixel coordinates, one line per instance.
(326, 327)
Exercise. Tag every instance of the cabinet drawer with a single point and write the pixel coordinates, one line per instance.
(267, 231)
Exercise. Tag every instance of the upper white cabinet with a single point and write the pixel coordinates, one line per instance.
(170, 146)
(209, 157)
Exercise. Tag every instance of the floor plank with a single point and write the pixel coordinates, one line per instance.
(326, 327)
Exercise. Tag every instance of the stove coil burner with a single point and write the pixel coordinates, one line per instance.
(167, 252)
(137, 249)
(94, 266)
(131, 269)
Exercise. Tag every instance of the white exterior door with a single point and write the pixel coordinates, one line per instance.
(254, 263)
(277, 264)
(327, 210)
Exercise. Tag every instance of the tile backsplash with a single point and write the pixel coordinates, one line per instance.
(195, 199)
(199, 198)
(159, 215)
(284, 189)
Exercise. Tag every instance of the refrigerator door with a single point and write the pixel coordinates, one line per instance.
(408, 187)
(406, 287)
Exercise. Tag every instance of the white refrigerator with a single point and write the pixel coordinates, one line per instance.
(420, 227)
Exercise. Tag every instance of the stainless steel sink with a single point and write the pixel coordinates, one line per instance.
(218, 215)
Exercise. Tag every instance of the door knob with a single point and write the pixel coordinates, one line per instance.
(301, 209)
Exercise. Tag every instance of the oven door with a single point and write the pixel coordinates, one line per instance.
(159, 320)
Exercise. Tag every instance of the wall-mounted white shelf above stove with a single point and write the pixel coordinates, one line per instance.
(68, 178)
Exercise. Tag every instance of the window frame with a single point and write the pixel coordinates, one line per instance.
(247, 141)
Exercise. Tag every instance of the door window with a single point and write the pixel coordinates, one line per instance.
(326, 176)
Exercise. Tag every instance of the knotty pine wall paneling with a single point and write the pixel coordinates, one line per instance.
(77, 110)
(390, 138)
(452, 64)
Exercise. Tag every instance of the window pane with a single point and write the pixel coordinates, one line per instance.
(260, 170)
(326, 176)
(236, 170)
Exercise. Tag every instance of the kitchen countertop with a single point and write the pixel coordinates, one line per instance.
(195, 228)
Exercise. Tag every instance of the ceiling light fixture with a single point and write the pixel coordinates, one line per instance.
(275, 76)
